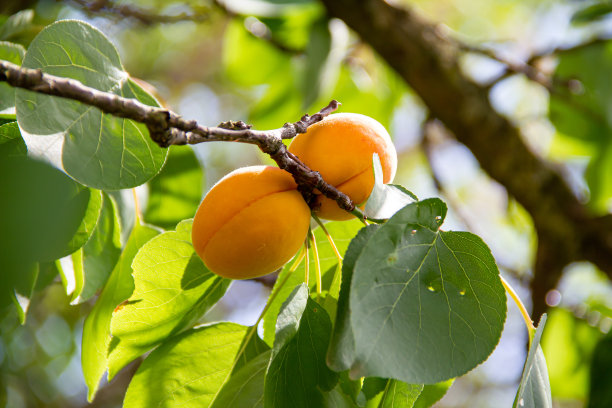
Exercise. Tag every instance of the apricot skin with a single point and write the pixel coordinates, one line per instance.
(250, 223)
(340, 148)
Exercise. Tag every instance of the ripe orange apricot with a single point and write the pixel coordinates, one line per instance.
(250, 223)
(340, 148)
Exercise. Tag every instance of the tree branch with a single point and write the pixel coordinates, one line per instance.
(167, 128)
(142, 15)
(429, 63)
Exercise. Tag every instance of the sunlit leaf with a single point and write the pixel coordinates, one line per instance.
(432, 393)
(13, 53)
(16, 24)
(98, 150)
(245, 388)
(11, 142)
(93, 263)
(187, 370)
(173, 289)
(119, 287)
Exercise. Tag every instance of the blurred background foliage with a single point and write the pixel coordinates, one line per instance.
(270, 61)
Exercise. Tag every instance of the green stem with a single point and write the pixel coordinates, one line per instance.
(315, 254)
(528, 322)
(329, 238)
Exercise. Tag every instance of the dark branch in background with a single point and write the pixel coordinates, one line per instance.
(429, 63)
(142, 15)
(167, 128)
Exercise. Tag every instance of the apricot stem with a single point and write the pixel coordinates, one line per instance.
(137, 212)
(315, 254)
(329, 238)
(307, 264)
(528, 322)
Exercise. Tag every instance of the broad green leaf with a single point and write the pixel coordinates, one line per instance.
(398, 394)
(11, 142)
(175, 193)
(432, 393)
(245, 388)
(534, 389)
(98, 150)
(297, 374)
(385, 199)
(342, 345)
(16, 24)
(119, 287)
(40, 211)
(93, 263)
(426, 305)
(600, 393)
(337, 399)
(24, 287)
(13, 53)
(342, 232)
(186, 370)
(173, 289)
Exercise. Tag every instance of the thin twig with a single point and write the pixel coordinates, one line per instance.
(143, 16)
(168, 128)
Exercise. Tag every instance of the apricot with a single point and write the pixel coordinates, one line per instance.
(340, 148)
(250, 223)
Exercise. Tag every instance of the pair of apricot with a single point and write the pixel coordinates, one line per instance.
(254, 220)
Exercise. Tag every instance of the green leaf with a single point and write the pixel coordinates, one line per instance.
(89, 221)
(342, 233)
(398, 394)
(600, 394)
(432, 393)
(188, 369)
(592, 13)
(16, 24)
(245, 388)
(342, 345)
(40, 211)
(176, 192)
(97, 150)
(93, 263)
(119, 287)
(173, 289)
(534, 389)
(385, 199)
(426, 305)
(297, 374)
(13, 53)
(24, 287)
(11, 142)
